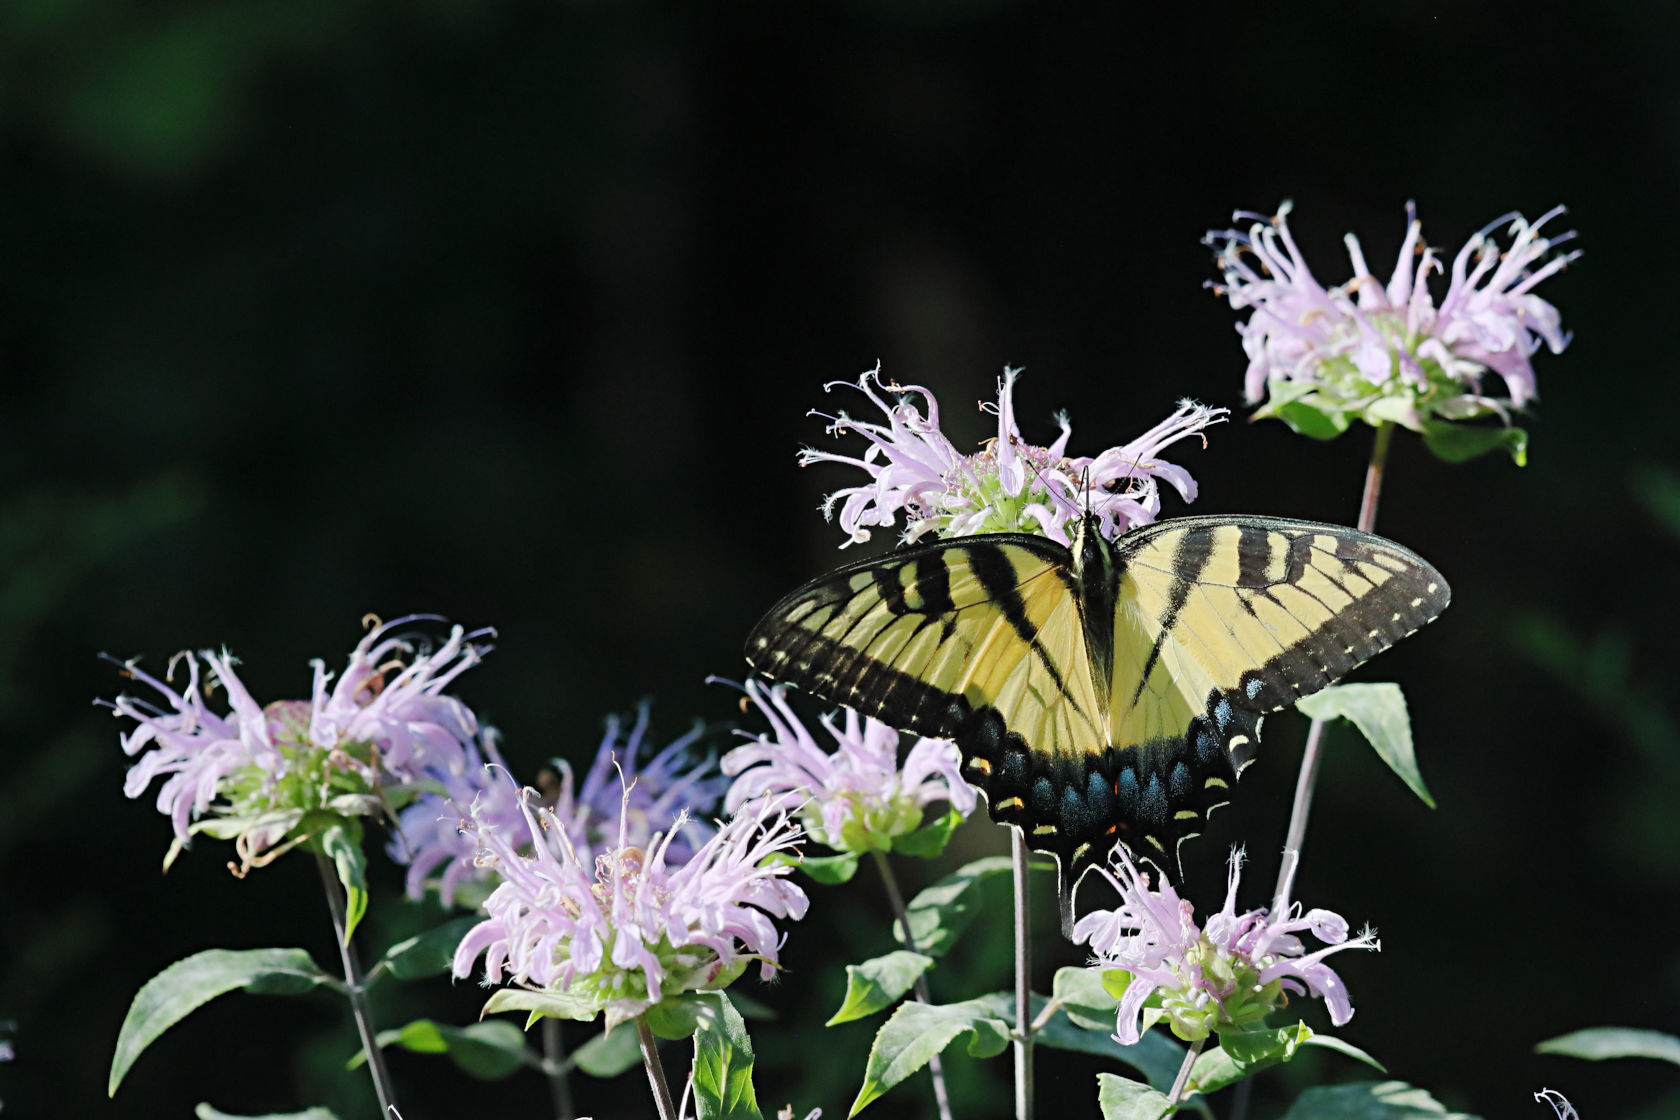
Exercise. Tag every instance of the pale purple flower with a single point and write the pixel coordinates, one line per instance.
(601, 810)
(1228, 973)
(384, 724)
(622, 930)
(594, 816)
(1390, 352)
(1560, 1104)
(431, 833)
(855, 798)
(1009, 485)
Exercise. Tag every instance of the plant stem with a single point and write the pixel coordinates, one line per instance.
(1023, 980)
(1183, 1077)
(555, 1069)
(1312, 755)
(655, 1071)
(896, 900)
(355, 988)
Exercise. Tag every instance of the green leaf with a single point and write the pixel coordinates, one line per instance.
(426, 954)
(1598, 1043)
(830, 870)
(346, 853)
(188, 984)
(541, 1005)
(206, 1112)
(1454, 442)
(610, 1053)
(488, 1051)
(1121, 1098)
(1369, 1100)
(1379, 711)
(939, 914)
(1330, 1042)
(678, 1017)
(1241, 1053)
(723, 1064)
(918, 1031)
(877, 983)
(1154, 1055)
(928, 841)
(1085, 998)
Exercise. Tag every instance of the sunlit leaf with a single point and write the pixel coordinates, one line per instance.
(878, 983)
(206, 1112)
(1598, 1043)
(940, 913)
(549, 1005)
(1121, 1098)
(723, 1064)
(1379, 711)
(928, 841)
(1369, 1100)
(188, 984)
(916, 1032)
(345, 851)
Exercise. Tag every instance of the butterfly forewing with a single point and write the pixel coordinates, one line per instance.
(924, 637)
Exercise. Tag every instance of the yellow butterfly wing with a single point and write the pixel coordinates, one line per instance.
(1221, 620)
(980, 640)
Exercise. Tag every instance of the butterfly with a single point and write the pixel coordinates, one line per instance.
(1102, 692)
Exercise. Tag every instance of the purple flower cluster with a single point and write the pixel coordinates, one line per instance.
(621, 930)
(1009, 485)
(1390, 352)
(855, 798)
(1228, 973)
(385, 723)
(594, 815)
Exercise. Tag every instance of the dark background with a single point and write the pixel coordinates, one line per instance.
(513, 312)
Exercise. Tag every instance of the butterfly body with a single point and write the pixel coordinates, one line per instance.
(1100, 692)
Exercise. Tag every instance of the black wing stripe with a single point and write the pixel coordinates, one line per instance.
(997, 576)
(1188, 561)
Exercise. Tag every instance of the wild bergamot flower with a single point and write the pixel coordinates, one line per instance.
(1226, 975)
(1320, 357)
(595, 815)
(1009, 485)
(856, 798)
(267, 776)
(622, 930)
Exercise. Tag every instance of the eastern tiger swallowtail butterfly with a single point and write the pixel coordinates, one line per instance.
(1103, 692)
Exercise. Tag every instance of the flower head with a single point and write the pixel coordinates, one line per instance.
(1009, 485)
(595, 816)
(346, 750)
(855, 799)
(1389, 352)
(622, 930)
(1227, 974)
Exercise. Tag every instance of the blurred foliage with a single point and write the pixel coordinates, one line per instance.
(513, 311)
